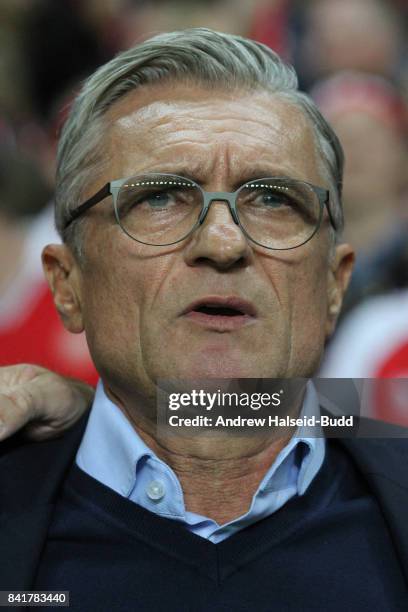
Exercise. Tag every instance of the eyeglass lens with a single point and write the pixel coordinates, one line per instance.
(163, 209)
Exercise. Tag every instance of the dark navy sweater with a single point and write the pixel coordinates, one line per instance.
(329, 550)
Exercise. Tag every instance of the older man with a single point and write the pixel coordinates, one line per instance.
(198, 198)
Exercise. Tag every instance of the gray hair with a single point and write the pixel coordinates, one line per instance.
(199, 55)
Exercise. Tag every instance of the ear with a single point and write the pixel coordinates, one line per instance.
(340, 271)
(63, 275)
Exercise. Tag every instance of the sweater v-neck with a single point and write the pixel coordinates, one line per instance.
(217, 561)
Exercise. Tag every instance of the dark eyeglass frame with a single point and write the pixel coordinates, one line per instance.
(230, 197)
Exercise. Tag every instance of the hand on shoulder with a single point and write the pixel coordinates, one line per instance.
(42, 402)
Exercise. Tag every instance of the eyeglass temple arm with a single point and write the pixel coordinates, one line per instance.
(332, 220)
(95, 199)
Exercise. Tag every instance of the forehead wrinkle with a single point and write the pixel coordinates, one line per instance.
(153, 132)
(273, 125)
(157, 116)
(225, 168)
(179, 104)
(198, 142)
(223, 136)
(224, 162)
(164, 111)
(233, 160)
(199, 131)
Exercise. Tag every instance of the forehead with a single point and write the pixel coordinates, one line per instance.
(162, 128)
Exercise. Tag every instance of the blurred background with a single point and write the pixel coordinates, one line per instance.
(350, 55)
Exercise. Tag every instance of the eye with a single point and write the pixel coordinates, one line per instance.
(159, 199)
(270, 199)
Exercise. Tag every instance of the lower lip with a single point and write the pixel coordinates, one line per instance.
(219, 322)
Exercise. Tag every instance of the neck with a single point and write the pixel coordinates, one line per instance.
(219, 472)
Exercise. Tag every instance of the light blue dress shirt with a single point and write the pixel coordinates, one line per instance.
(113, 453)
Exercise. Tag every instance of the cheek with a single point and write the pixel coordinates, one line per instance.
(310, 293)
(308, 312)
(300, 278)
(120, 291)
(109, 299)
(110, 311)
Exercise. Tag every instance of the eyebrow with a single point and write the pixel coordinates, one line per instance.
(255, 176)
(251, 175)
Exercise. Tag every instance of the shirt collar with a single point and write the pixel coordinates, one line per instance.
(111, 449)
(308, 450)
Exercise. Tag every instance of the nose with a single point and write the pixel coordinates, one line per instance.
(219, 241)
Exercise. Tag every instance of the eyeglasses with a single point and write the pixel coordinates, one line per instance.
(164, 209)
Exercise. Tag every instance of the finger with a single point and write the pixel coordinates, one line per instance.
(59, 403)
(13, 415)
(40, 401)
(38, 432)
(14, 375)
(16, 404)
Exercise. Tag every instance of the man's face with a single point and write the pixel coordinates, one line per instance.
(136, 302)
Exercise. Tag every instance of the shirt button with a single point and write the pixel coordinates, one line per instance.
(155, 490)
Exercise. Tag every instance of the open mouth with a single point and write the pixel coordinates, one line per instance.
(219, 311)
(221, 314)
